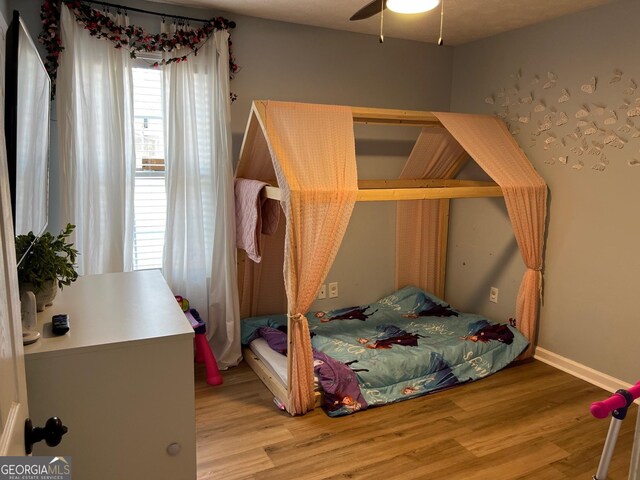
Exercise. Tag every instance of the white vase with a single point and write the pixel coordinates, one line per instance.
(46, 294)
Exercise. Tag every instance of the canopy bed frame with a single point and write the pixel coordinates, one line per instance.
(305, 153)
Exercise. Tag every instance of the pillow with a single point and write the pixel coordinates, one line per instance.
(411, 302)
(277, 339)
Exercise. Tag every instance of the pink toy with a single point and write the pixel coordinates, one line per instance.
(203, 353)
(618, 404)
(617, 400)
(203, 349)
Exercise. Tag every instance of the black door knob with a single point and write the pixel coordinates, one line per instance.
(51, 433)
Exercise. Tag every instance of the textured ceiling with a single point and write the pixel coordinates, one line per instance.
(464, 20)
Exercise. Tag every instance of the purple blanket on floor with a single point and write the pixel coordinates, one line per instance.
(338, 380)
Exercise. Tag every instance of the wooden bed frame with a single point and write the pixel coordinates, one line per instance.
(368, 191)
(272, 382)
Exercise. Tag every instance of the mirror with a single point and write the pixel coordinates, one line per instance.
(27, 103)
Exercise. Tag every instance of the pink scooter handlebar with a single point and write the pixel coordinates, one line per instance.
(604, 408)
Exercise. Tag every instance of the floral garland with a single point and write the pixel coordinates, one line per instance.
(132, 38)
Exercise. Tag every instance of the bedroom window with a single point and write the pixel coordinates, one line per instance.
(150, 200)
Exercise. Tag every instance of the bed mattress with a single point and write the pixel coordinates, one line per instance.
(275, 362)
(407, 344)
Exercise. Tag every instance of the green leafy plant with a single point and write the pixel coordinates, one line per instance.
(50, 258)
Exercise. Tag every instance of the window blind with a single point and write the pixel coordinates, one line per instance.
(150, 203)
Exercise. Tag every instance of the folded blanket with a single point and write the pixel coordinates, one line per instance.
(254, 215)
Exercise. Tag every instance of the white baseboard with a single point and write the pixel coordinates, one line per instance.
(583, 372)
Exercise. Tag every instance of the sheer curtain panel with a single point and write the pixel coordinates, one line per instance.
(96, 147)
(199, 254)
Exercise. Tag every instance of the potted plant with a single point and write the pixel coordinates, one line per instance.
(48, 264)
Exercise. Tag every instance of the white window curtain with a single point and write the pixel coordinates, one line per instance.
(199, 253)
(97, 154)
(96, 146)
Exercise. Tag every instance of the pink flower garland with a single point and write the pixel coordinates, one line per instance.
(132, 38)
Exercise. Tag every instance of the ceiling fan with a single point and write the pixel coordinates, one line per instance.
(399, 6)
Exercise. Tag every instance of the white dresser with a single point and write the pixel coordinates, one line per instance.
(121, 380)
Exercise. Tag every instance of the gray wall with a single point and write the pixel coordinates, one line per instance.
(4, 9)
(589, 313)
(30, 13)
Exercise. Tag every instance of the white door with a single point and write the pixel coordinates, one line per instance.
(13, 385)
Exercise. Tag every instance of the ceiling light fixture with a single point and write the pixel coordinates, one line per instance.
(412, 6)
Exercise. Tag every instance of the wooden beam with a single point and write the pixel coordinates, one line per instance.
(409, 182)
(272, 192)
(272, 382)
(381, 194)
(385, 116)
(241, 260)
(251, 131)
(444, 238)
(415, 193)
(420, 183)
(380, 116)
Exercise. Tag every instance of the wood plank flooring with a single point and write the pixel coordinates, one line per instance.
(529, 421)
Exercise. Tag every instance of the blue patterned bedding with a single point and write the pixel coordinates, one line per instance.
(407, 344)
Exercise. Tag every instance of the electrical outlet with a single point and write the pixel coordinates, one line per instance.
(493, 295)
(333, 289)
(323, 292)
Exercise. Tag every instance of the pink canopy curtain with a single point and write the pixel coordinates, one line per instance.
(436, 154)
(491, 145)
(313, 150)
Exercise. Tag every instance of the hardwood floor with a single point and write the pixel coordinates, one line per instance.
(530, 421)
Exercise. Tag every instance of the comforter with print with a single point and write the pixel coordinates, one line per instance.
(405, 345)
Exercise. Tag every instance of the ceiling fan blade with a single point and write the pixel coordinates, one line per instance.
(369, 10)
